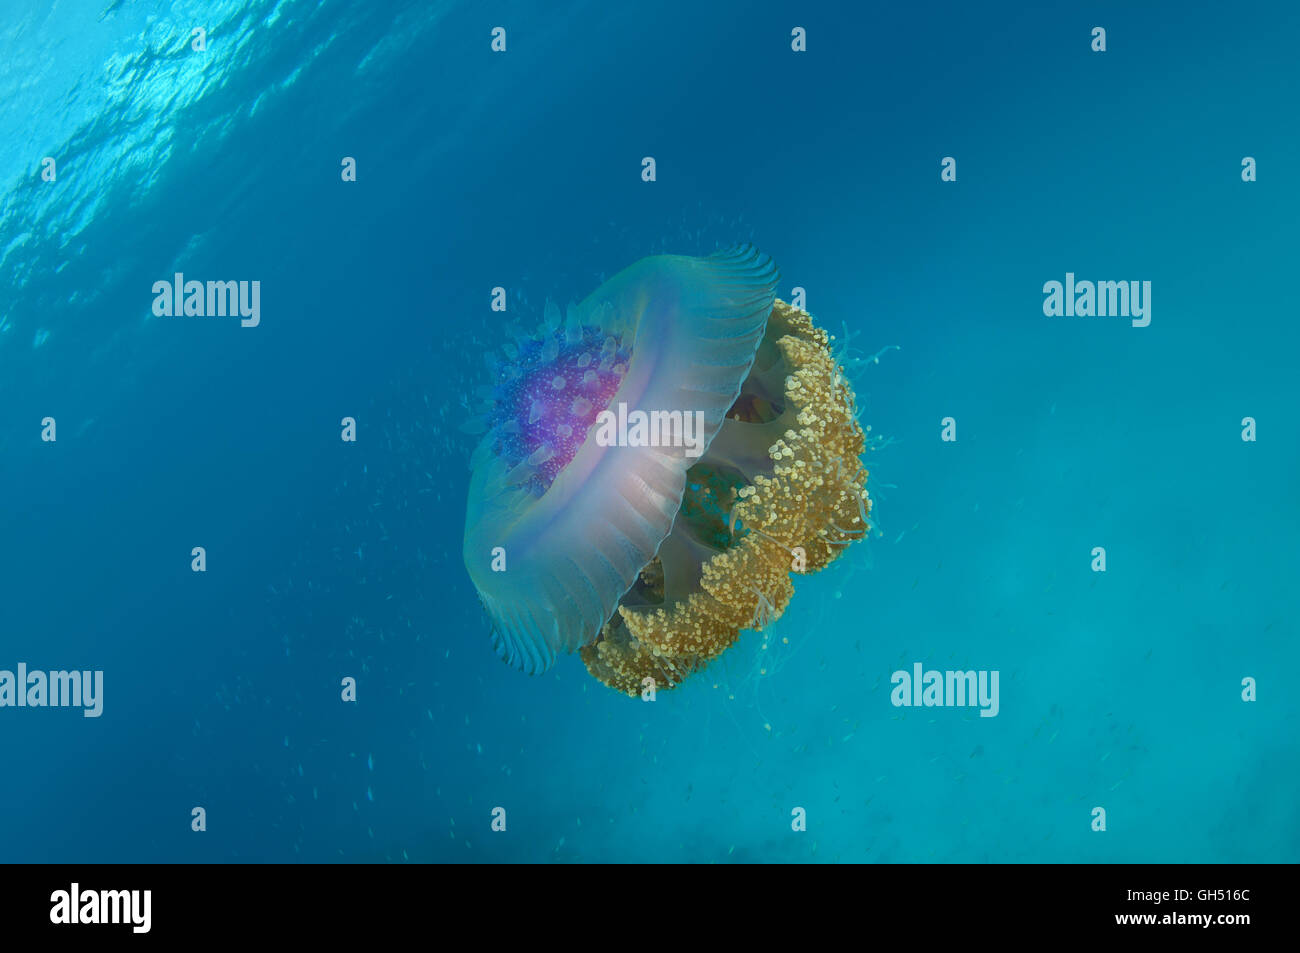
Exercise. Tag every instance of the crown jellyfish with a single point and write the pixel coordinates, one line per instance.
(646, 560)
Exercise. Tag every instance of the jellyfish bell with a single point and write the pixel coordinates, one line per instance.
(578, 520)
(650, 556)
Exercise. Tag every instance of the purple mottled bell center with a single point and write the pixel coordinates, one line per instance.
(560, 389)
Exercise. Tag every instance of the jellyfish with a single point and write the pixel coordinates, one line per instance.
(648, 557)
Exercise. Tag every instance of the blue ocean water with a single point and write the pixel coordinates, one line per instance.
(522, 169)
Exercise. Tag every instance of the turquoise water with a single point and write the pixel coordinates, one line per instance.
(1120, 690)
